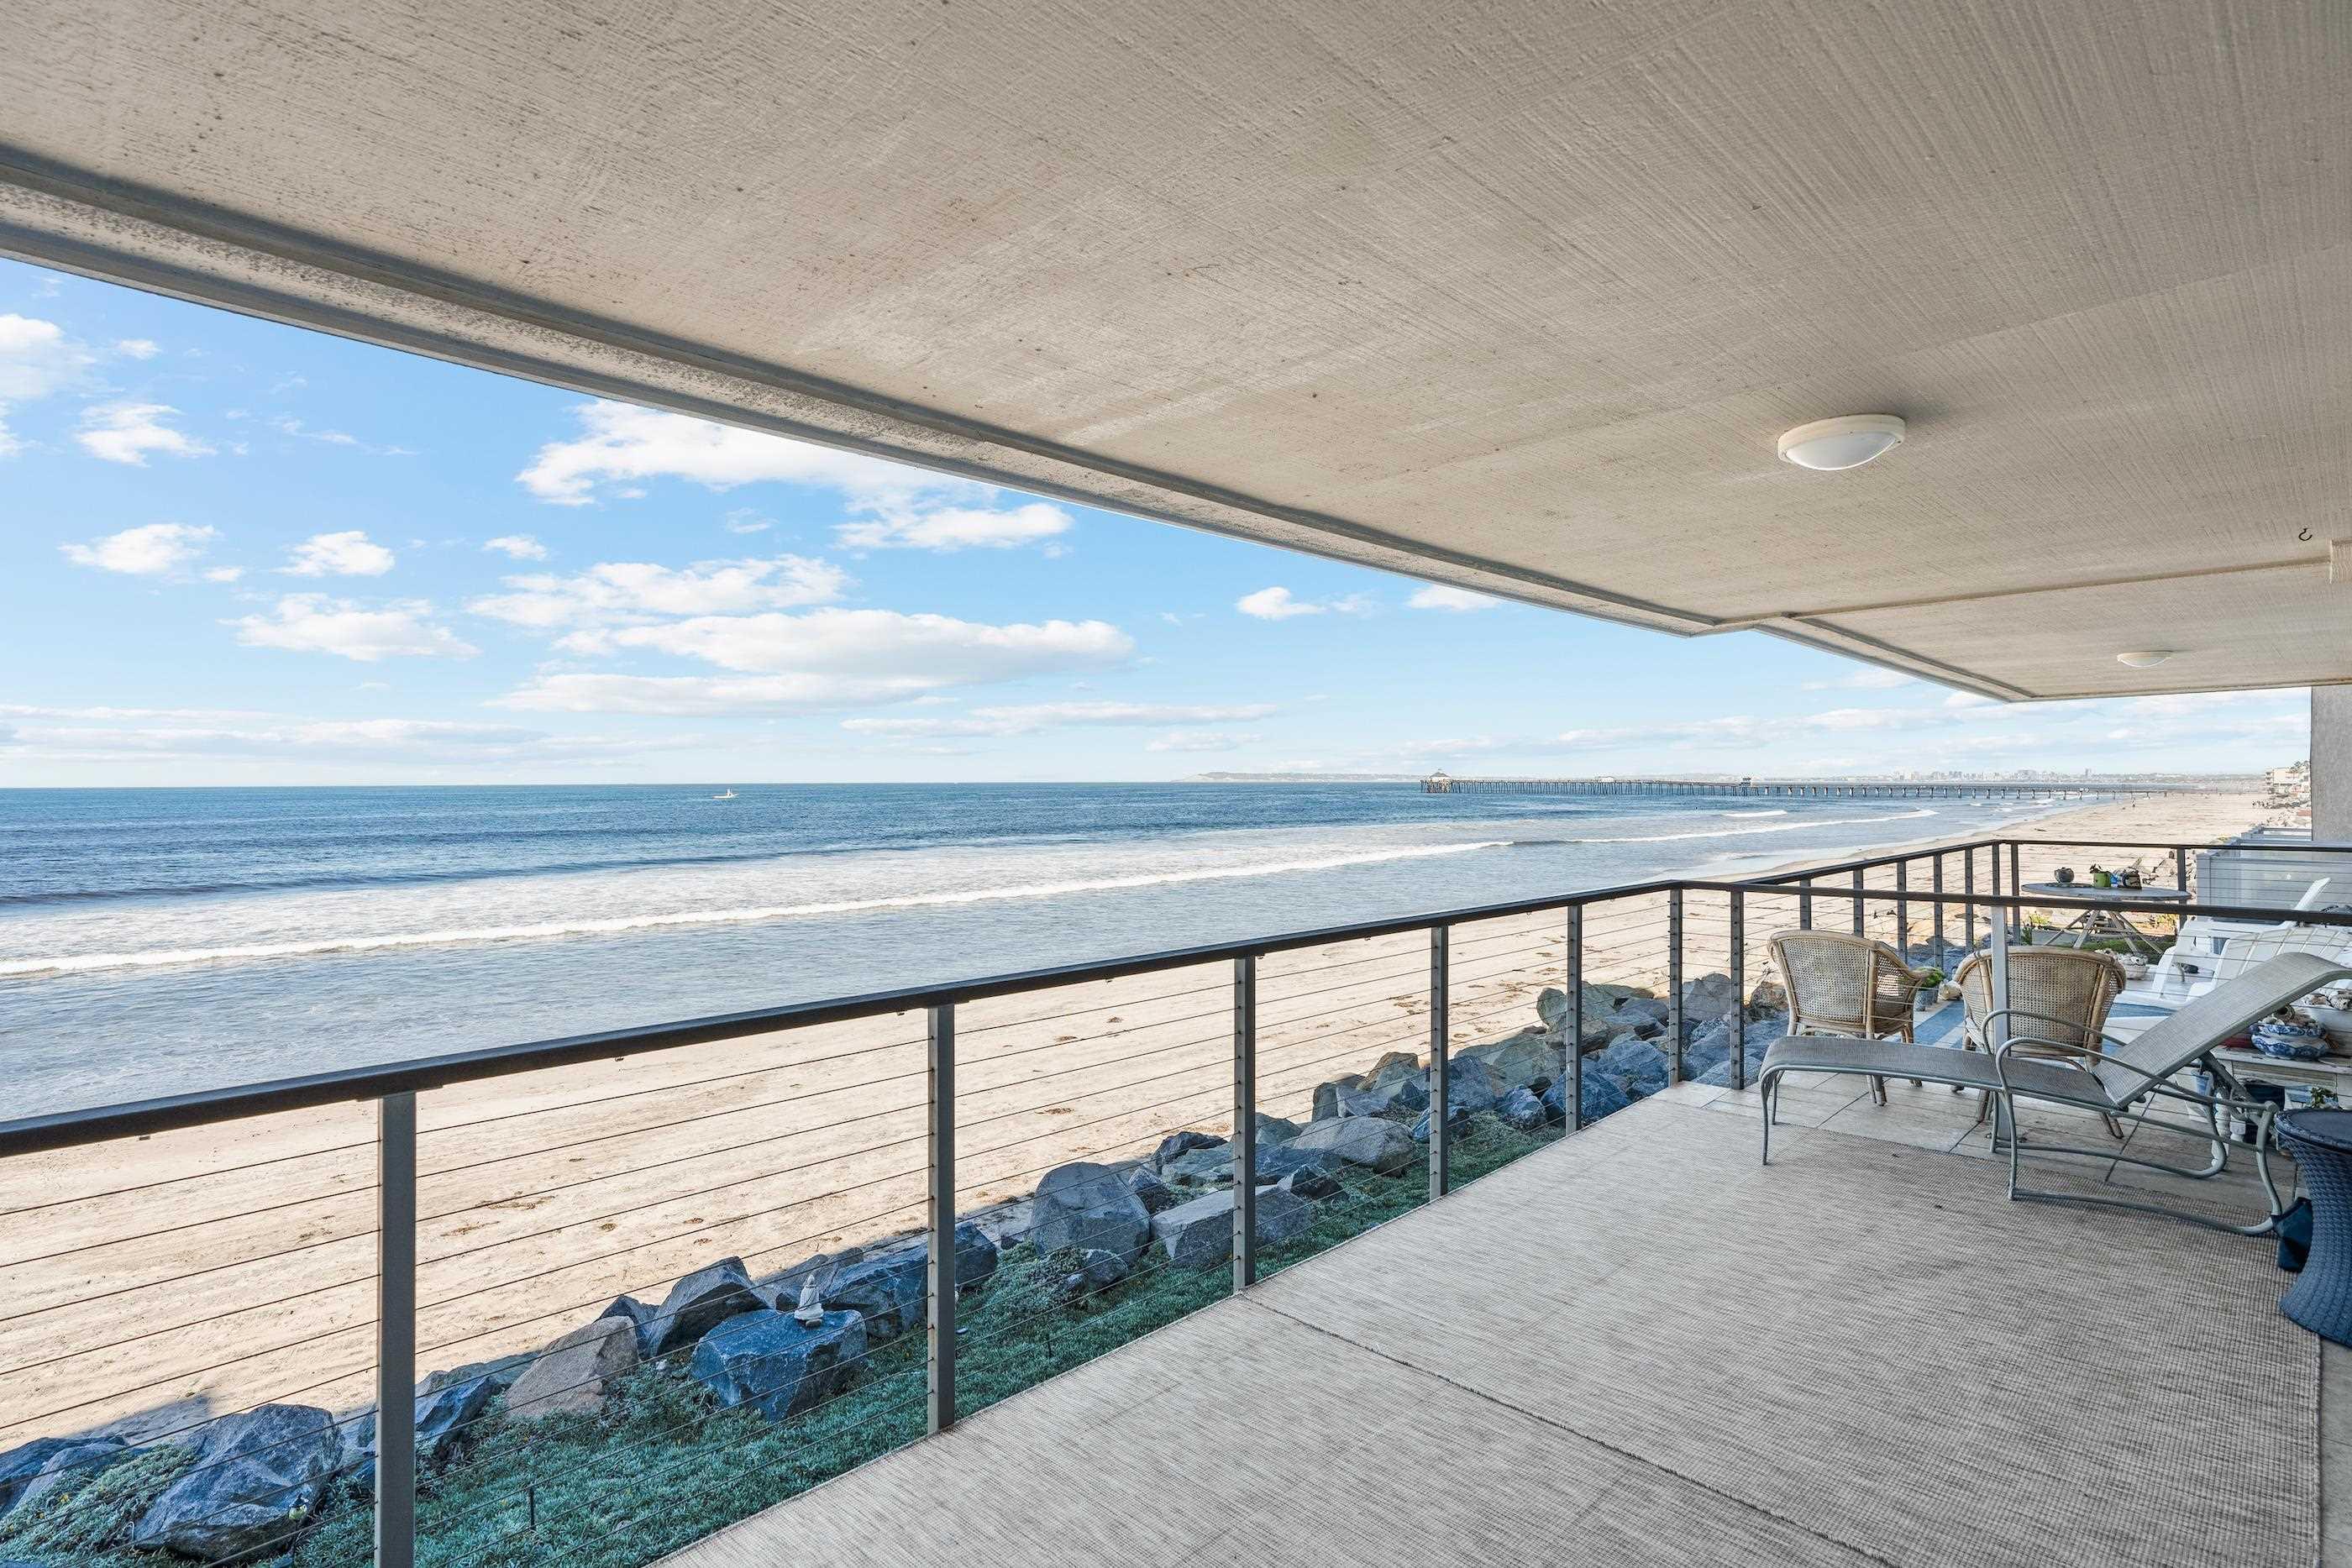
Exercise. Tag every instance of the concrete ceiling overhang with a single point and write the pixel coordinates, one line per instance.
(1510, 295)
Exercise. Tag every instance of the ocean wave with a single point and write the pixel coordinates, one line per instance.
(545, 930)
(1751, 813)
(1796, 826)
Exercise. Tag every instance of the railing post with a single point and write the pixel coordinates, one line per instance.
(1674, 984)
(1997, 1031)
(1245, 1139)
(1572, 1064)
(2181, 867)
(1935, 877)
(1738, 989)
(1438, 983)
(1805, 905)
(1902, 910)
(1969, 894)
(942, 1358)
(1858, 916)
(395, 1331)
(2016, 890)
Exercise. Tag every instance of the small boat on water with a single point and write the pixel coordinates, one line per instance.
(729, 796)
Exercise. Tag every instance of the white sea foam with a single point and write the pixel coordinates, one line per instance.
(544, 930)
(1799, 826)
(1751, 813)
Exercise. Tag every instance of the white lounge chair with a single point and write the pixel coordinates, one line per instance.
(2209, 951)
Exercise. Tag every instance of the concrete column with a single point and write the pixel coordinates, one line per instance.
(2331, 765)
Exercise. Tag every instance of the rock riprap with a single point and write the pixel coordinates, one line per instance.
(256, 1483)
(1200, 1234)
(778, 1365)
(697, 1304)
(1377, 1145)
(1083, 1205)
(571, 1375)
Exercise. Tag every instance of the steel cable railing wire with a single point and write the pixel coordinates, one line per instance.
(209, 1321)
(440, 1171)
(788, 1244)
(917, 1109)
(1406, 980)
(119, 1290)
(185, 1225)
(1222, 1038)
(975, 1187)
(447, 1127)
(920, 1171)
(674, 1198)
(965, 1032)
(192, 1175)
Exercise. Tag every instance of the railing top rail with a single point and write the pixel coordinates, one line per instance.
(2267, 914)
(68, 1129)
(2293, 848)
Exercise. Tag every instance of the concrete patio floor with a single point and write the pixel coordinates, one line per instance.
(1638, 1346)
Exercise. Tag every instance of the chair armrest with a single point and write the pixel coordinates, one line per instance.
(2104, 1038)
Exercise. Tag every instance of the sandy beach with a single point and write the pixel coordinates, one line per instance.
(147, 1286)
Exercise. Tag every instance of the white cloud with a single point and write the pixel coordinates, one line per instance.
(1027, 718)
(149, 552)
(137, 348)
(36, 359)
(956, 527)
(625, 592)
(127, 432)
(1202, 740)
(345, 554)
(1277, 604)
(825, 658)
(884, 641)
(314, 624)
(1441, 595)
(287, 424)
(518, 547)
(620, 444)
(743, 520)
(222, 573)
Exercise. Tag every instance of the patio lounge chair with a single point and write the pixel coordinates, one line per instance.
(2125, 1082)
(2208, 951)
(2065, 989)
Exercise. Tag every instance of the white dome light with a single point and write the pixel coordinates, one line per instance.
(2145, 658)
(1844, 442)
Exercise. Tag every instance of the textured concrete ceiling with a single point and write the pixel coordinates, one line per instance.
(1514, 295)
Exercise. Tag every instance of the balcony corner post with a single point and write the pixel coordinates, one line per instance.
(1574, 1061)
(1439, 983)
(1245, 1140)
(395, 1331)
(1675, 1059)
(1738, 989)
(941, 1363)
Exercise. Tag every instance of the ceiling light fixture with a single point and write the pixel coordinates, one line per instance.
(1847, 442)
(2142, 658)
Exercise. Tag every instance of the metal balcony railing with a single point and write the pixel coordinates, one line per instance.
(177, 1266)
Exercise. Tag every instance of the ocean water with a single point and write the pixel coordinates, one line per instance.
(158, 941)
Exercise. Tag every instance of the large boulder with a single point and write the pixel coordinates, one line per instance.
(891, 1290)
(1274, 1130)
(1709, 997)
(1188, 1174)
(782, 1290)
(1393, 1064)
(1088, 1274)
(499, 1374)
(1515, 1062)
(1521, 1109)
(1377, 1145)
(1457, 1122)
(1597, 1010)
(446, 1419)
(1280, 1162)
(1644, 1010)
(1312, 1182)
(1080, 1205)
(1471, 1086)
(1156, 1194)
(1637, 1067)
(1200, 1234)
(1183, 1143)
(697, 1304)
(776, 1364)
(1400, 1094)
(255, 1486)
(569, 1376)
(1327, 1095)
(1601, 1097)
(40, 1466)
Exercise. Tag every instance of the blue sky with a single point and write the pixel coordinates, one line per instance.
(235, 552)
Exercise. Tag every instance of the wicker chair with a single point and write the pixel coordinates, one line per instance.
(1843, 985)
(2063, 992)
